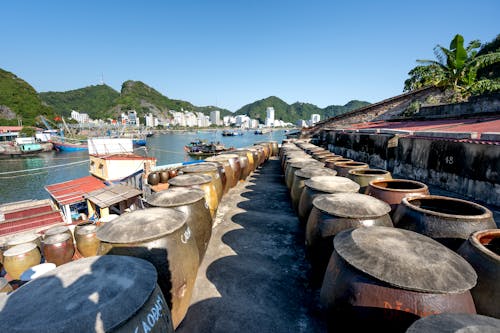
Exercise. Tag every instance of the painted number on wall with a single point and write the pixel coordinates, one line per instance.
(449, 160)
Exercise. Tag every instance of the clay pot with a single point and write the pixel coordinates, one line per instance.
(162, 237)
(56, 230)
(58, 249)
(293, 167)
(19, 258)
(203, 182)
(296, 160)
(382, 279)
(482, 251)
(302, 175)
(321, 185)
(172, 173)
(209, 170)
(97, 294)
(164, 177)
(343, 168)
(87, 242)
(393, 191)
(364, 176)
(246, 163)
(333, 213)
(24, 238)
(322, 154)
(330, 163)
(274, 148)
(455, 323)
(190, 201)
(232, 168)
(450, 221)
(153, 178)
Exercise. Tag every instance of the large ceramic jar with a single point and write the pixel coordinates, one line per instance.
(56, 230)
(296, 160)
(482, 251)
(324, 154)
(295, 157)
(209, 170)
(333, 213)
(24, 238)
(255, 157)
(153, 178)
(450, 221)
(331, 162)
(190, 201)
(203, 182)
(58, 249)
(87, 242)
(343, 168)
(364, 176)
(274, 148)
(19, 258)
(321, 185)
(455, 323)
(302, 175)
(290, 171)
(96, 294)
(393, 191)
(232, 168)
(382, 279)
(246, 163)
(164, 176)
(162, 237)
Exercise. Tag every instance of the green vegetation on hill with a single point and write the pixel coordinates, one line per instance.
(292, 113)
(19, 100)
(94, 100)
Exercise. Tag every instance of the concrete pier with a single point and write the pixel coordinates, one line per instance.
(254, 275)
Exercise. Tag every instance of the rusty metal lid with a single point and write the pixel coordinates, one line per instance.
(405, 259)
(455, 323)
(175, 197)
(314, 171)
(94, 294)
(351, 205)
(19, 249)
(141, 225)
(86, 229)
(199, 168)
(57, 238)
(59, 229)
(22, 238)
(190, 180)
(331, 184)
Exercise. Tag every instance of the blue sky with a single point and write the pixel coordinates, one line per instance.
(232, 52)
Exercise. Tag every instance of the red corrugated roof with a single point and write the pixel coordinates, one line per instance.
(73, 191)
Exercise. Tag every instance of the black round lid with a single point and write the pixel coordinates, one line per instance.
(190, 180)
(141, 225)
(94, 294)
(314, 171)
(59, 229)
(455, 323)
(176, 196)
(86, 229)
(351, 205)
(199, 168)
(57, 238)
(405, 259)
(331, 184)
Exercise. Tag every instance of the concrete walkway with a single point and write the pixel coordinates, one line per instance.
(254, 275)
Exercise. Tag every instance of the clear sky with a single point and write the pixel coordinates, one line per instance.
(232, 52)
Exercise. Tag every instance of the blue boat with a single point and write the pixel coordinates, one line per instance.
(139, 142)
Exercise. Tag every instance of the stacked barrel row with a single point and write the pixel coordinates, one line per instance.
(383, 251)
(172, 233)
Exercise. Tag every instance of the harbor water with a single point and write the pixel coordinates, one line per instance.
(25, 178)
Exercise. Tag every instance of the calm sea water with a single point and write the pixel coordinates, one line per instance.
(33, 175)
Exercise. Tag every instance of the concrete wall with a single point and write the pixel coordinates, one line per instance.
(470, 169)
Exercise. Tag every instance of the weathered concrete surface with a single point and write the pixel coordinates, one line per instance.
(254, 275)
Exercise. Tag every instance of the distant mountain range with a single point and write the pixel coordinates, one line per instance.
(19, 100)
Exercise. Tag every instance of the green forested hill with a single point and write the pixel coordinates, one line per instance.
(94, 100)
(295, 111)
(19, 100)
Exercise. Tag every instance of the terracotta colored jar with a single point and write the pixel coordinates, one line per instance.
(96, 294)
(302, 175)
(321, 185)
(190, 201)
(333, 213)
(203, 182)
(382, 279)
(246, 163)
(153, 178)
(164, 177)
(274, 148)
(58, 249)
(364, 176)
(87, 242)
(232, 168)
(343, 168)
(162, 237)
(19, 258)
(330, 163)
(209, 170)
(450, 221)
(393, 191)
(482, 251)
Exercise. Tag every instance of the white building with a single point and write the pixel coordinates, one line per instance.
(202, 120)
(151, 121)
(254, 123)
(269, 116)
(315, 118)
(81, 118)
(215, 117)
(228, 120)
(301, 123)
(243, 121)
